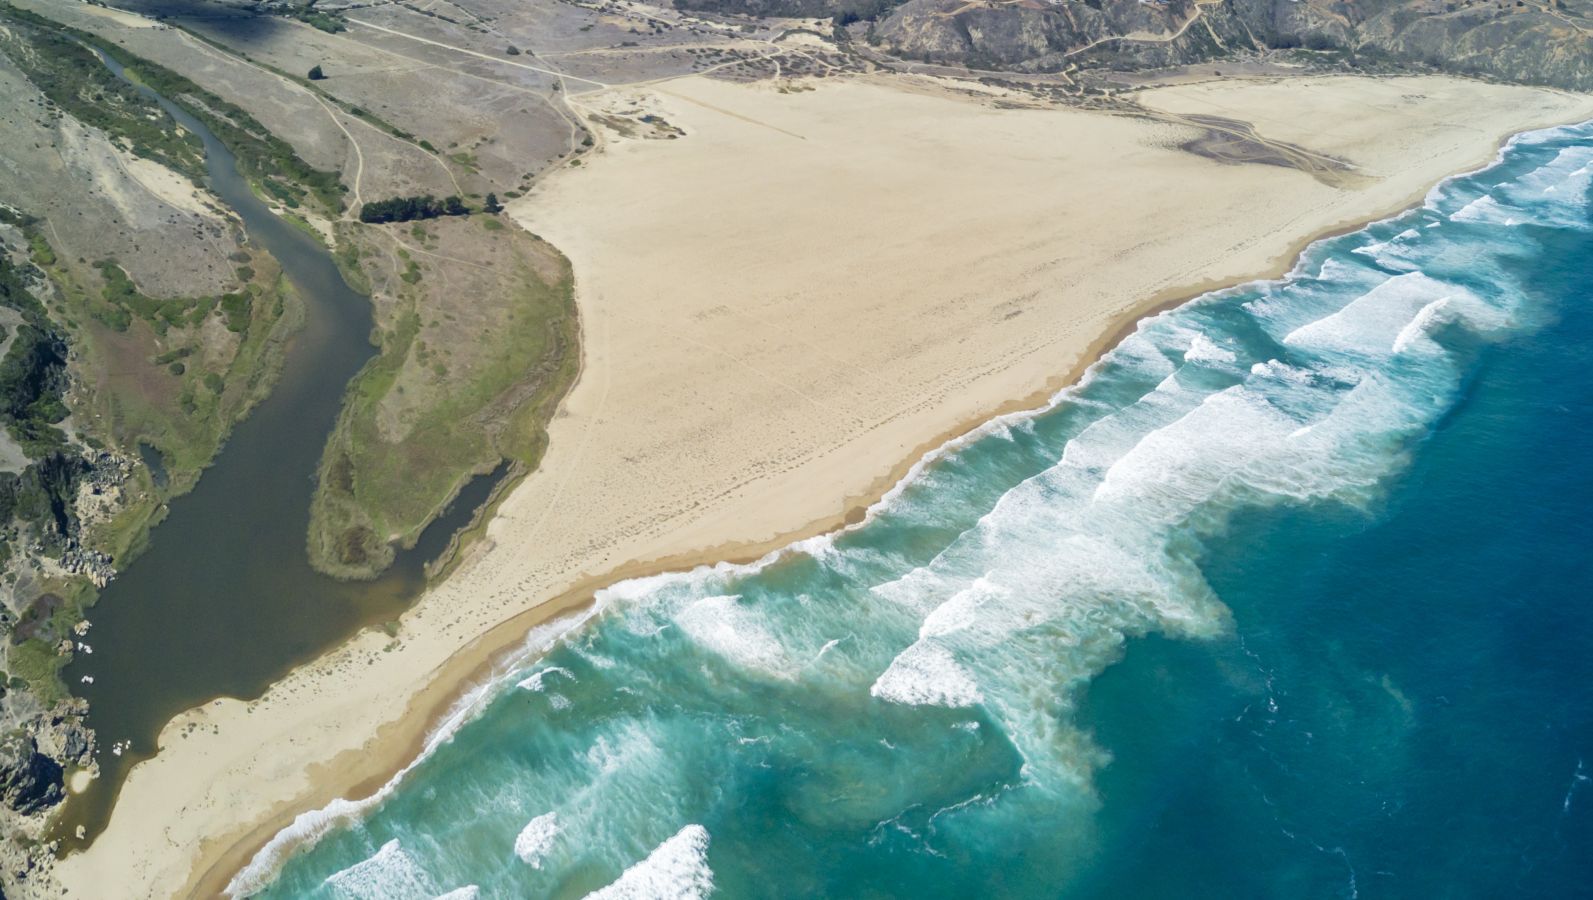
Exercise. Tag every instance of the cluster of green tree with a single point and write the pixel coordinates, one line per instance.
(408, 209)
(423, 206)
(70, 75)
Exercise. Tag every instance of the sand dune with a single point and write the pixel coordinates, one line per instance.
(781, 310)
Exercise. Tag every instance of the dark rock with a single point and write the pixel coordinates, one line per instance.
(29, 780)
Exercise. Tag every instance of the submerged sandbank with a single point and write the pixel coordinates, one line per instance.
(783, 310)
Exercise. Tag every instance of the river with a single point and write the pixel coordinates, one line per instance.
(223, 601)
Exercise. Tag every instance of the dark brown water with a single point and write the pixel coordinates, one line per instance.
(224, 602)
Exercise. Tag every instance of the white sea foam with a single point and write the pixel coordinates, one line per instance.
(1185, 463)
(537, 680)
(1072, 560)
(390, 874)
(1566, 176)
(1204, 349)
(676, 870)
(536, 839)
(1371, 324)
(1486, 209)
(1430, 316)
(918, 590)
(1278, 369)
(468, 892)
(1372, 249)
(963, 609)
(308, 828)
(1394, 253)
(1335, 269)
(926, 674)
(726, 627)
(1557, 191)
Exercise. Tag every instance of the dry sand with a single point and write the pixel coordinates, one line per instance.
(781, 311)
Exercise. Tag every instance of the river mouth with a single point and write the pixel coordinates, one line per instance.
(223, 602)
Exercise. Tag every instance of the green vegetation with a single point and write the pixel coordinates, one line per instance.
(183, 405)
(265, 159)
(408, 209)
(235, 307)
(331, 23)
(347, 256)
(484, 404)
(40, 250)
(123, 301)
(37, 664)
(72, 77)
(315, 74)
(186, 414)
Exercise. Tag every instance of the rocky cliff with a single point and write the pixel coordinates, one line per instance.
(1525, 41)
(1547, 42)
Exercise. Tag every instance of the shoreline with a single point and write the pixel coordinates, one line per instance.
(361, 771)
(474, 667)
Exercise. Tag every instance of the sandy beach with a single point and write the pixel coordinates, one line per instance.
(783, 309)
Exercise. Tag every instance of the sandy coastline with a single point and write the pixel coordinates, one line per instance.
(970, 262)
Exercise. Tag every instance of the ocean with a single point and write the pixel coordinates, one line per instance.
(1292, 596)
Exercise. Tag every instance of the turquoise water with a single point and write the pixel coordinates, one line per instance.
(1288, 598)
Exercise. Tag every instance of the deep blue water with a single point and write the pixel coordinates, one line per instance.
(1289, 599)
(1406, 706)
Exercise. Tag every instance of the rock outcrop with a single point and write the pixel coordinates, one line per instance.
(30, 781)
(1548, 43)
(1543, 42)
